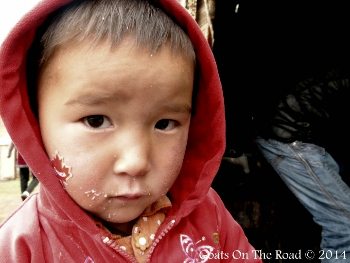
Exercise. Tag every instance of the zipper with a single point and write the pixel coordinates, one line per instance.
(112, 244)
(160, 237)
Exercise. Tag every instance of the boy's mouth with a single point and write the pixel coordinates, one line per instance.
(127, 196)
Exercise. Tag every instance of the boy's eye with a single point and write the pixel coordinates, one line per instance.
(166, 124)
(97, 121)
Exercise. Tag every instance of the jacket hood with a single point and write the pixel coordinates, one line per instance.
(206, 140)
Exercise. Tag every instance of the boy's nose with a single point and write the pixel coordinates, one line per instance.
(133, 159)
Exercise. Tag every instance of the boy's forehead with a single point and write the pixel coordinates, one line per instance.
(81, 59)
(126, 48)
(85, 47)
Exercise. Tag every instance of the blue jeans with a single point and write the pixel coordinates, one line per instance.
(313, 176)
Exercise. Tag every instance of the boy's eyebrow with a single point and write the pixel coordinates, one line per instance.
(90, 99)
(178, 108)
(93, 99)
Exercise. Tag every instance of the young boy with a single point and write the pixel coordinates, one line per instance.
(123, 125)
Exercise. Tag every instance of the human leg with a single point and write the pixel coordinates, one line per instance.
(24, 178)
(33, 183)
(313, 176)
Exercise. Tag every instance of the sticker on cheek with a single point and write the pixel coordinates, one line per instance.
(62, 170)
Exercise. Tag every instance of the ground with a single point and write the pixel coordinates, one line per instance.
(10, 197)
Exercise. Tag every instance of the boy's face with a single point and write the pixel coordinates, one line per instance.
(120, 119)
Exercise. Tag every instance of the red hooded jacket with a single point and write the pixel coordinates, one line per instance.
(51, 227)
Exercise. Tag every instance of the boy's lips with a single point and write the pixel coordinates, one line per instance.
(127, 196)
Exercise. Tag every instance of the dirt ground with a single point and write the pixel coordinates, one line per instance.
(10, 197)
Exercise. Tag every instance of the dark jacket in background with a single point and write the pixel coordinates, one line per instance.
(275, 59)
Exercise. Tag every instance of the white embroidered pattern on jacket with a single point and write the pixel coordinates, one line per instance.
(193, 252)
(62, 170)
